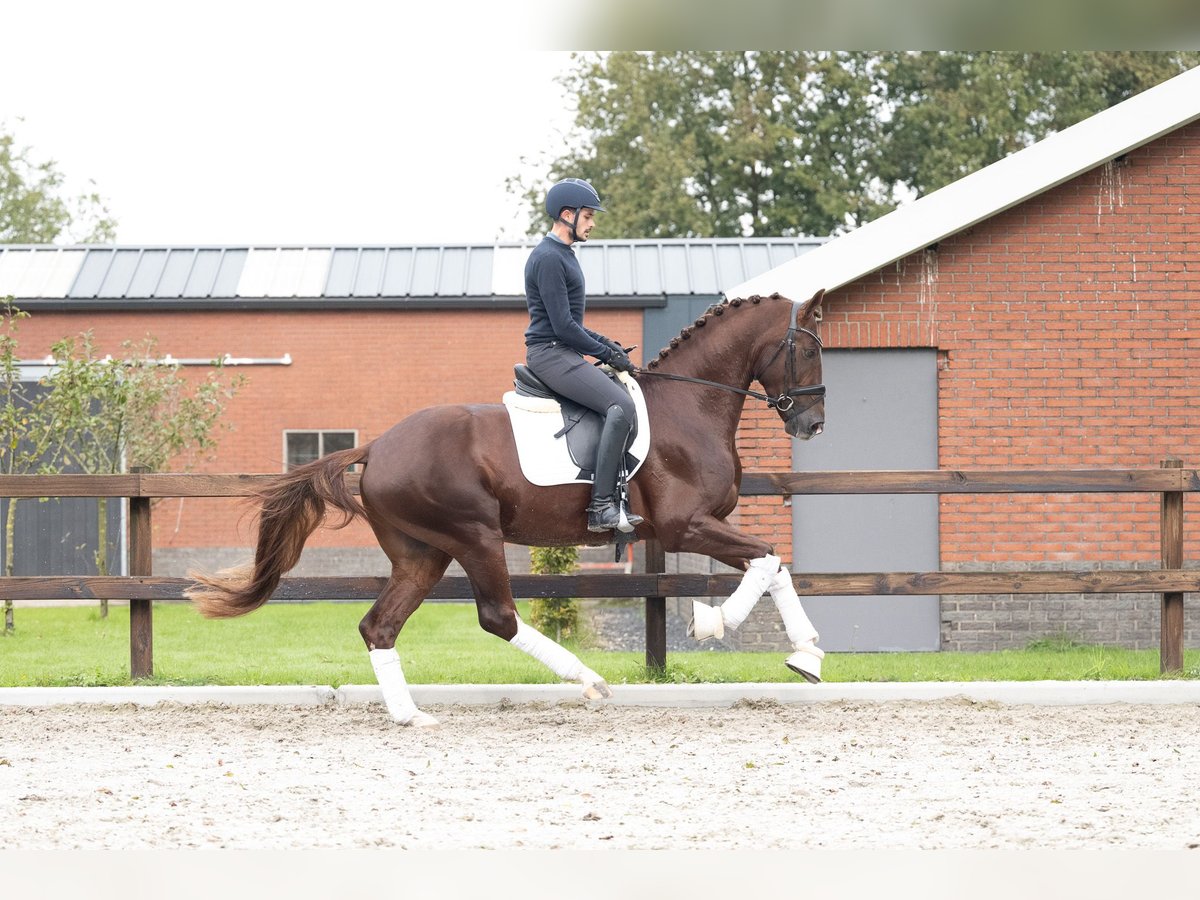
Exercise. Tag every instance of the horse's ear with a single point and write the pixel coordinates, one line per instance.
(812, 309)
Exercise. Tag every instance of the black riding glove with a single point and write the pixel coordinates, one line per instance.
(613, 345)
(620, 361)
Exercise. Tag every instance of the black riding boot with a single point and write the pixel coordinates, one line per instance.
(604, 512)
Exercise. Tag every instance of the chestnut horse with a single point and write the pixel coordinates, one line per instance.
(445, 483)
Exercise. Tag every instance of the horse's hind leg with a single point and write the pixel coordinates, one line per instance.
(416, 567)
(488, 571)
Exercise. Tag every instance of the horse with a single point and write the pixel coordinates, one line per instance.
(445, 484)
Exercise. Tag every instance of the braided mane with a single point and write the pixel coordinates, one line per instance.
(715, 311)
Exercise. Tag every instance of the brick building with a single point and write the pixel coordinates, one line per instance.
(1048, 305)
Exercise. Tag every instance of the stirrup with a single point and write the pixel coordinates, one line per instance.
(628, 520)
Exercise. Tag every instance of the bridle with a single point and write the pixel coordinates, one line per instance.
(786, 401)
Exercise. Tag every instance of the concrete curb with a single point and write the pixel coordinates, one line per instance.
(267, 694)
(1040, 693)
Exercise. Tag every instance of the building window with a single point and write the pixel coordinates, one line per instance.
(300, 447)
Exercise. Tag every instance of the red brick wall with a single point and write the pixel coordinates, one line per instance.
(350, 369)
(1068, 336)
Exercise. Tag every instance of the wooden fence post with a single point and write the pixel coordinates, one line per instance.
(656, 612)
(1171, 619)
(141, 612)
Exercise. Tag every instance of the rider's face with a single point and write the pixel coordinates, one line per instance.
(585, 223)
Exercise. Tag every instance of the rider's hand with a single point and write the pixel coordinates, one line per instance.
(620, 361)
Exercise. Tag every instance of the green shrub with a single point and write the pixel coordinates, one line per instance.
(557, 617)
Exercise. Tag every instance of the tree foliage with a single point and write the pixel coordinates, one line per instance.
(34, 208)
(738, 143)
(137, 410)
(555, 616)
(98, 415)
(28, 432)
(955, 112)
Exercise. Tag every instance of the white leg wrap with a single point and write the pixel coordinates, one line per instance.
(559, 660)
(800, 630)
(754, 584)
(806, 660)
(396, 695)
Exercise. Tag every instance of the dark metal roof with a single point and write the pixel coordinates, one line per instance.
(637, 272)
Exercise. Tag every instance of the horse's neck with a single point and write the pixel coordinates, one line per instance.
(723, 352)
(726, 348)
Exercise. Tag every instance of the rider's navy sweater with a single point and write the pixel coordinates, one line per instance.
(554, 291)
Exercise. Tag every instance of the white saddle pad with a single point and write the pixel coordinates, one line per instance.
(544, 458)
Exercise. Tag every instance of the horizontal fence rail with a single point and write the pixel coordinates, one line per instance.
(1113, 581)
(141, 588)
(980, 481)
(754, 484)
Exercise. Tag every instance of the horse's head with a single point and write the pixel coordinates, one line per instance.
(791, 372)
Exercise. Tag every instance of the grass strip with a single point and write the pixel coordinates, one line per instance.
(318, 643)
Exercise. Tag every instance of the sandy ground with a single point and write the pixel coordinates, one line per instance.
(950, 774)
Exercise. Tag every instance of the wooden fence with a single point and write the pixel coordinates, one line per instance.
(1171, 481)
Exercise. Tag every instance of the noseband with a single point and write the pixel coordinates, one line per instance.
(786, 401)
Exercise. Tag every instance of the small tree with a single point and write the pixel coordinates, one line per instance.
(554, 615)
(34, 208)
(27, 432)
(112, 413)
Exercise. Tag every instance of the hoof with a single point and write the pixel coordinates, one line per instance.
(807, 662)
(422, 720)
(707, 622)
(597, 690)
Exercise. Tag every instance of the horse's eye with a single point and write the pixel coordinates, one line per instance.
(810, 353)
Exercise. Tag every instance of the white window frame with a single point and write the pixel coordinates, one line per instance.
(320, 432)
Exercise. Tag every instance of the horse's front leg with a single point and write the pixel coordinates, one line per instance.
(720, 540)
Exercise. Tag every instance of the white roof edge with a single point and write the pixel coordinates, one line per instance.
(982, 194)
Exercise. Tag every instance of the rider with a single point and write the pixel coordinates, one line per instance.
(556, 341)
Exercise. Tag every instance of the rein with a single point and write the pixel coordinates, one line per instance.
(783, 402)
(786, 400)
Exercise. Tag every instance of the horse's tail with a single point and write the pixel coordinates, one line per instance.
(293, 505)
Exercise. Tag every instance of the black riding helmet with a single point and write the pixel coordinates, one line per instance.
(575, 194)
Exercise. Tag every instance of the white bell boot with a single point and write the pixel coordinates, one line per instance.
(806, 661)
(396, 695)
(559, 660)
(708, 622)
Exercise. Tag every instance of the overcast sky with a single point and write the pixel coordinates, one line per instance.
(287, 123)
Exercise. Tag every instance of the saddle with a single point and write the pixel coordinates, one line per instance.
(581, 426)
(557, 439)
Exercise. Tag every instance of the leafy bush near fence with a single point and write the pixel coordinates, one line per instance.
(557, 617)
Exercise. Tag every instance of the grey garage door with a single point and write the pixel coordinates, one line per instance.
(881, 413)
